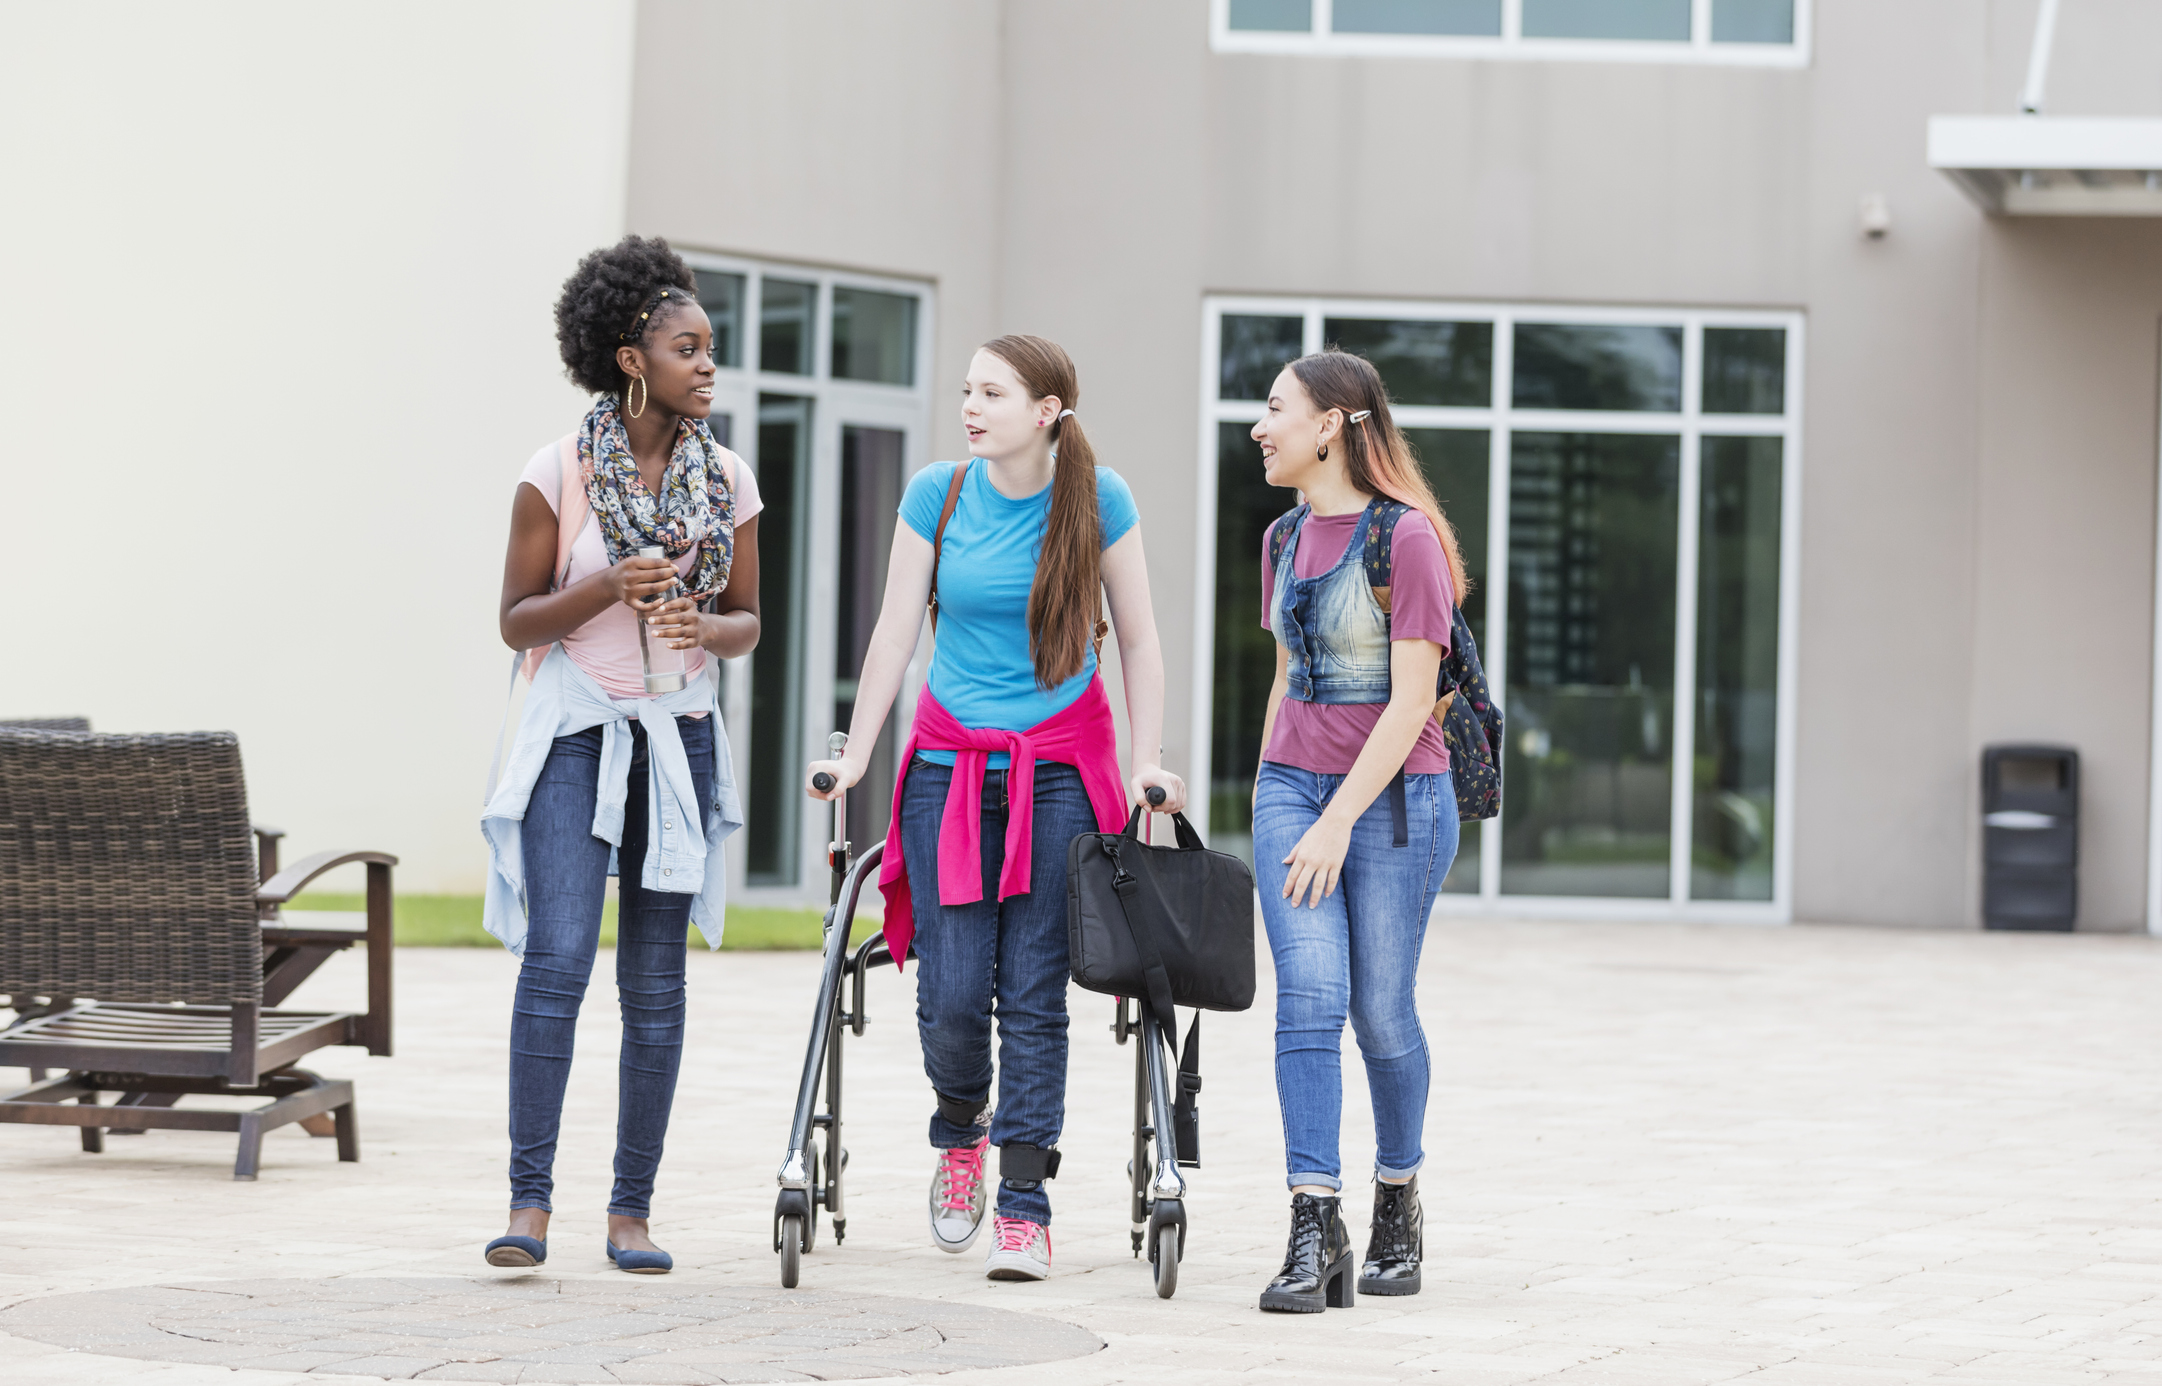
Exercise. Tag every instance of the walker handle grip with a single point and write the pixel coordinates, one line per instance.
(822, 782)
(1155, 796)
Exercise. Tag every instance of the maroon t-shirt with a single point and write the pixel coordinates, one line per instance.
(1327, 737)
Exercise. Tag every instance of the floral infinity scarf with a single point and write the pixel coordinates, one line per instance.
(695, 507)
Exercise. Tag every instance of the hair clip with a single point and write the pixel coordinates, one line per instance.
(638, 327)
(1361, 416)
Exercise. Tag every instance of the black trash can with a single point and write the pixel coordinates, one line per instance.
(2030, 837)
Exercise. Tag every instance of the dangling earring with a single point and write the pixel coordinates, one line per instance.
(1321, 454)
(645, 393)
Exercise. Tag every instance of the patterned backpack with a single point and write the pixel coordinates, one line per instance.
(1471, 723)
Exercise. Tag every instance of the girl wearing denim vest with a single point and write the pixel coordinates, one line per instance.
(1355, 819)
(1012, 755)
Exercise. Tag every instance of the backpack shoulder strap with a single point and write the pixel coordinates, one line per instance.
(1287, 524)
(938, 538)
(1380, 556)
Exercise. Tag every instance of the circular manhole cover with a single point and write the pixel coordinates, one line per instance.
(533, 1329)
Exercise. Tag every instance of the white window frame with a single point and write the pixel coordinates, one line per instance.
(1499, 417)
(835, 403)
(1512, 45)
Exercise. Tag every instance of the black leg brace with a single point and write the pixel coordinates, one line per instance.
(960, 1110)
(1024, 1166)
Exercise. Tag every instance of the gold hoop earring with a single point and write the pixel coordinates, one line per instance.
(645, 394)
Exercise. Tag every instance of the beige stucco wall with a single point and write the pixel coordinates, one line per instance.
(278, 284)
(2065, 523)
(1979, 421)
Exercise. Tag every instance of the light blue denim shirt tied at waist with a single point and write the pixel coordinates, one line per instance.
(565, 700)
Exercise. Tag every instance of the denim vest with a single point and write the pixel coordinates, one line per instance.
(1335, 635)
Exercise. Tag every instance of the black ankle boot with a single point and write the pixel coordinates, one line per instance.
(1317, 1263)
(1395, 1241)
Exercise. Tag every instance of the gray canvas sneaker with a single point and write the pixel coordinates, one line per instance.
(1019, 1250)
(958, 1196)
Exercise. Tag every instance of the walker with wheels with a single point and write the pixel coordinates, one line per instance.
(813, 1169)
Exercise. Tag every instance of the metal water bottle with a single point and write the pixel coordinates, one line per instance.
(665, 666)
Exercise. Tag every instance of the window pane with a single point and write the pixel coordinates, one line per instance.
(1607, 19)
(1244, 659)
(722, 297)
(1596, 367)
(1589, 757)
(1423, 362)
(870, 504)
(1753, 21)
(1296, 16)
(1417, 17)
(1455, 463)
(1745, 370)
(784, 326)
(1737, 670)
(774, 812)
(874, 336)
(1254, 350)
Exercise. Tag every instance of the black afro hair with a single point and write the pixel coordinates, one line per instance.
(602, 300)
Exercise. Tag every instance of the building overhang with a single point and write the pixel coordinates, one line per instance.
(2052, 166)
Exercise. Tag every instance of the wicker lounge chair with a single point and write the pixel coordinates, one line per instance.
(129, 874)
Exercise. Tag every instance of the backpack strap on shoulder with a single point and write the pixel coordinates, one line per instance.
(1380, 556)
(938, 540)
(1280, 533)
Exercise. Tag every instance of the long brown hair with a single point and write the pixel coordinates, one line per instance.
(1067, 594)
(1377, 459)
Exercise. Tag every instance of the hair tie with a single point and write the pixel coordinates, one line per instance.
(1361, 416)
(1065, 415)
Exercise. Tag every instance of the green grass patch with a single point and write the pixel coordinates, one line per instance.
(453, 921)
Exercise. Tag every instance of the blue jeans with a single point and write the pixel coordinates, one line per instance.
(997, 957)
(1357, 953)
(566, 872)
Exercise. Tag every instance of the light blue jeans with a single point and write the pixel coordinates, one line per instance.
(1354, 955)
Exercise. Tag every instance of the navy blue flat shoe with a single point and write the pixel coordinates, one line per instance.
(517, 1251)
(641, 1262)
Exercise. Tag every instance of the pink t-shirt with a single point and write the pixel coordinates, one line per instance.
(1326, 738)
(606, 647)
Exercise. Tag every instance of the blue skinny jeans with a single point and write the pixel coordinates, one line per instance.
(566, 880)
(996, 958)
(1356, 954)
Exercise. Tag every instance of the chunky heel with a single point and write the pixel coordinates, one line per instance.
(1340, 1289)
(1318, 1268)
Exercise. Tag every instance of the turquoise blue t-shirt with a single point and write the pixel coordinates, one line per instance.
(981, 671)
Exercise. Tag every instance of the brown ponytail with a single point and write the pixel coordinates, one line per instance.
(1067, 595)
(1377, 459)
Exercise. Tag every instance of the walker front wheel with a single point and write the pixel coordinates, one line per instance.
(1164, 1259)
(791, 1251)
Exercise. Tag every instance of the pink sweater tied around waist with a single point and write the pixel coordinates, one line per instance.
(1081, 735)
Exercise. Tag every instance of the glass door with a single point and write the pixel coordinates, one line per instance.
(871, 467)
(777, 740)
(820, 390)
(1622, 487)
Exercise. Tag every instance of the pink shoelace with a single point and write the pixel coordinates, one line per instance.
(962, 1170)
(1018, 1234)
